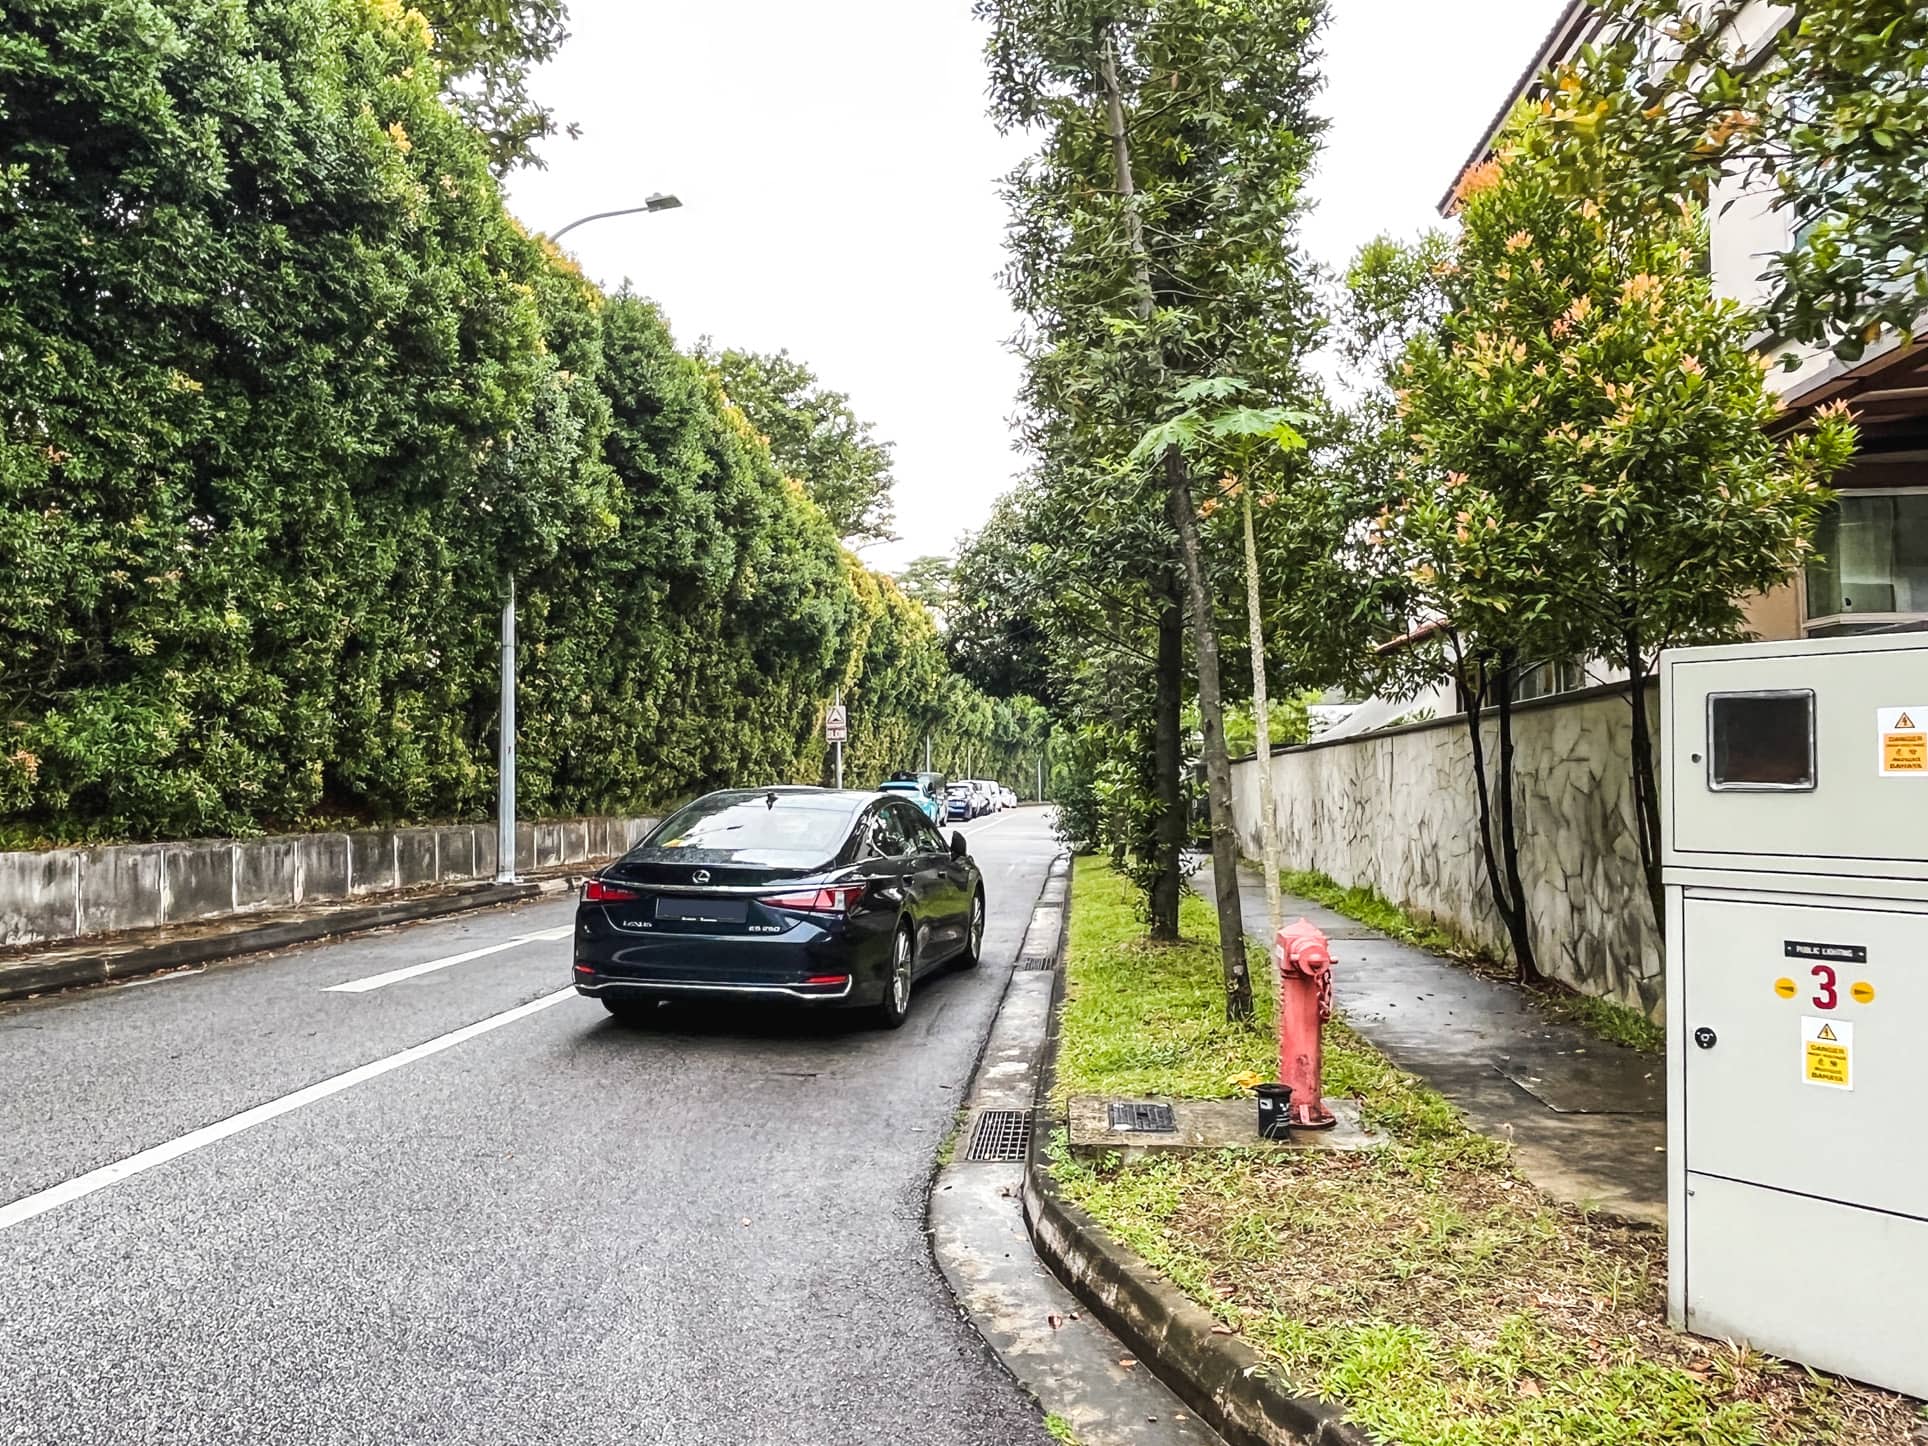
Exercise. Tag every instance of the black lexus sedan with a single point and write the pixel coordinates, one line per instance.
(827, 898)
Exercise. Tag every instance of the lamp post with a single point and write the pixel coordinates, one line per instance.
(657, 202)
(505, 728)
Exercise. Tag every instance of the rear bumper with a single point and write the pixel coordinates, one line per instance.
(597, 986)
(808, 965)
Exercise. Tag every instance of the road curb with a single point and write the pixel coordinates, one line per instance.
(1228, 1383)
(113, 962)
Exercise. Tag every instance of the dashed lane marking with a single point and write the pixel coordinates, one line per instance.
(396, 976)
(81, 1186)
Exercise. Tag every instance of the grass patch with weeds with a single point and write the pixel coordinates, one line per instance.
(1602, 1018)
(1142, 1018)
(1426, 1287)
(1059, 1429)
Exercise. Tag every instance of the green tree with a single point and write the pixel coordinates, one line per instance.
(1152, 249)
(487, 49)
(1589, 469)
(1832, 119)
(815, 437)
(927, 580)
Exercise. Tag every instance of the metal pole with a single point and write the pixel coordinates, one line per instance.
(1040, 778)
(839, 745)
(927, 753)
(505, 751)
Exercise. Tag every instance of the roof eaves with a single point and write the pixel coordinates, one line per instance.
(1578, 23)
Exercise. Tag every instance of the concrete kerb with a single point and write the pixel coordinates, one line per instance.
(1228, 1383)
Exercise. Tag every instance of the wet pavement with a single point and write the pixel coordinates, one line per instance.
(1587, 1119)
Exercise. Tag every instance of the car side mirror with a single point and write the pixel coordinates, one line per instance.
(960, 846)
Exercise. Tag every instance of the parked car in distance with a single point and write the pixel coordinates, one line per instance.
(1010, 796)
(824, 898)
(929, 800)
(961, 801)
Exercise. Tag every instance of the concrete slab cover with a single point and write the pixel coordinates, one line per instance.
(122, 887)
(200, 880)
(1215, 1125)
(38, 893)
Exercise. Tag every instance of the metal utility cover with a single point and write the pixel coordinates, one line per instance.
(1137, 1117)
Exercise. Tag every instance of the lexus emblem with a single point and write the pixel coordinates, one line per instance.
(701, 876)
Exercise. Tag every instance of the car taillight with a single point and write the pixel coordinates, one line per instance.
(836, 899)
(599, 891)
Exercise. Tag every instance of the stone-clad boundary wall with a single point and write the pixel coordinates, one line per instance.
(60, 894)
(1396, 811)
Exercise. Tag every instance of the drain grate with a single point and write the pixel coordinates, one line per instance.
(1134, 1117)
(1000, 1135)
(1037, 961)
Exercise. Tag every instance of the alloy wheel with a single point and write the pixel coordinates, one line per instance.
(900, 972)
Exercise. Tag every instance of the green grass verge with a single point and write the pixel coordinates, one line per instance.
(1149, 1019)
(1602, 1018)
(1059, 1429)
(1426, 1287)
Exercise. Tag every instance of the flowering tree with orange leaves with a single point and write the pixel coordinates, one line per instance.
(1590, 474)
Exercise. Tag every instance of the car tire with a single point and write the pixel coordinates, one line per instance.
(894, 1008)
(973, 952)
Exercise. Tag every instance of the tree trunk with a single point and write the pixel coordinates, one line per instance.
(1646, 782)
(1262, 716)
(1218, 765)
(1168, 704)
(1218, 770)
(1529, 966)
(1511, 906)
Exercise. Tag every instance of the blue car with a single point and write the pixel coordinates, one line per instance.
(925, 790)
(961, 801)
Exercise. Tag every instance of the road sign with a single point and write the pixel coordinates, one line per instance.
(836, 725)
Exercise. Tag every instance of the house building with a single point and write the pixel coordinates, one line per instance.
(1872, 572)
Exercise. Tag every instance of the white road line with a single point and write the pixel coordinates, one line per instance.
(395, 976)
(83, 1185)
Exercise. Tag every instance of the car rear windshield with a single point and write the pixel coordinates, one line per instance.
(960, 790)
(779, 830)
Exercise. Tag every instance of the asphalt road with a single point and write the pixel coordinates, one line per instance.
(470, 1208)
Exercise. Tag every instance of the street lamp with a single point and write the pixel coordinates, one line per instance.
(505, 727)
(657, 202)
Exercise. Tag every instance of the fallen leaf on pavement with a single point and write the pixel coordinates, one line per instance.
(1127, 1362)
(1054, 1321)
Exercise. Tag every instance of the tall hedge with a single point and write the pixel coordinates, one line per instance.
(285, 394)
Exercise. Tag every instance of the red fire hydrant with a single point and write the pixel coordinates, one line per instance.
(1304, 957)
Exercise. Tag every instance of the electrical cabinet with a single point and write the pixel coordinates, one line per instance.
(1795, 856)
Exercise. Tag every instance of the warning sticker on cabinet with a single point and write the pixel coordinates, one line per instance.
(1904, 741)
(1827, 1053)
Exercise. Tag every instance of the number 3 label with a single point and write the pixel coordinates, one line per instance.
(1827, 998)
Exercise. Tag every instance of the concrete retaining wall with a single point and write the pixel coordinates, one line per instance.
(64, 894)
(1396, 811)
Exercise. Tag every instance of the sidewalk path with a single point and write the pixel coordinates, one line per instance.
(1587, 1119)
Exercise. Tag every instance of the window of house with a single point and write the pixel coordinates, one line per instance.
(1872, 569)
(1543, 680)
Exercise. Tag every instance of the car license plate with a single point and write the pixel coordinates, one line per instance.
(702, 911)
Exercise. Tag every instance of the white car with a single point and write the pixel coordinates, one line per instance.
(1010, 796)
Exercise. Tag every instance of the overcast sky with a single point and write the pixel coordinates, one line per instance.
(839, 181)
